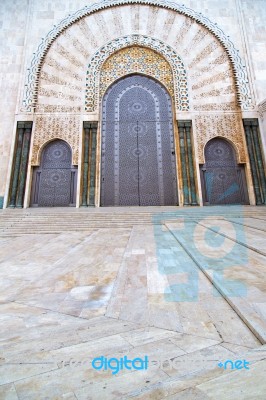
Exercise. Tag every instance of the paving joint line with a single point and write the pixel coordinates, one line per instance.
(217, 286)
(248, 226)
(233, 240)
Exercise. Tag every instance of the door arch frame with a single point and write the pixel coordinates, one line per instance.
(175, 138)
(38, 168)
(240, 167)
(236, 150)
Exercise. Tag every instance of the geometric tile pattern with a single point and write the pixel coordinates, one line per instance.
(50, 127)
(228, 126)
(136, 59)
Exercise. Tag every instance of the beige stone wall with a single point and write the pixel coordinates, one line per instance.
(262, 124)
(13, 18)
(23, 23)
(253, 14)
(62, 85)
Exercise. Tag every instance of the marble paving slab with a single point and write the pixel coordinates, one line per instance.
(69, 297)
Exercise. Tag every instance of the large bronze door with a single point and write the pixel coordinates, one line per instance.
(138, 158)
(54, 182)
(223, 180)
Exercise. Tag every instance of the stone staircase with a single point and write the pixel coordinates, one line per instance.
(21, 222)
(58, 220)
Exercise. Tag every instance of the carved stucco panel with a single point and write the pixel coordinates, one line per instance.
(136, 60)
(197, 40)
(50, 127)
(136, 53)
(228, 126)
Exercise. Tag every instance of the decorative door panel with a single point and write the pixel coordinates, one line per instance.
(54, 182)
(138, 161)
(223, 179)
(54, 188)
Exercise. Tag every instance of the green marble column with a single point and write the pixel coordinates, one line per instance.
(254, 172)
(23, 165)
(258, 154)
(85, 167)
(193, 193)
(182, 145)
(187, 163)
(93, 165)
(89, 164)
(252, 133)
(20, 165)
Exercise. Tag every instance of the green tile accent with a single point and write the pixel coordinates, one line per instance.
(183, 155)
(252, 133)
(24, 164)
(20, 165)
(85, 168)
(1, 201)
(93, 165)
(89, 163)
(187, 163)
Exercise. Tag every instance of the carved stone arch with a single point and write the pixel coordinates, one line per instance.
(223, 179)
(164, 53)
(227, 126)
(240, 74)
(55, 179)
(231, 143)
(140, 74)
(44, 145)
(49, 127)
(138, 165)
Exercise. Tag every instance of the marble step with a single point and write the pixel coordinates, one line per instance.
(30, 221)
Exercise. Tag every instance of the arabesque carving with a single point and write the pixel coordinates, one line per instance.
(49, 127)
(239, 69)
(123, 63)
(228, 126)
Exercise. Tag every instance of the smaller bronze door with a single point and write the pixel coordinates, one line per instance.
(54, 182)
(223, 180)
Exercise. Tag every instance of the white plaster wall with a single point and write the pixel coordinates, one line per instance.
(13, 15)
(22, 25)
(254, 23)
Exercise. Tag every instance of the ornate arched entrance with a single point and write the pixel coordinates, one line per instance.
(223, 180)
(138, 152)
(54, 181)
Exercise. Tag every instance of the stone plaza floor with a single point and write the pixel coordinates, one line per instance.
(183, 286)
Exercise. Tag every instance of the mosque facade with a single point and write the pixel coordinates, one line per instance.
(133, 103)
